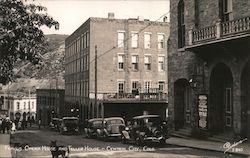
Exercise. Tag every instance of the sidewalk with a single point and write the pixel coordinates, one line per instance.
(240, 149)
(5, 146)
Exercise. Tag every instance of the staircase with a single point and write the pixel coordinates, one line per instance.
(184, 132)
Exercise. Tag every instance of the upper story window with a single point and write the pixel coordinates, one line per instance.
(121, 87)
(18, 105)
(120, 62)
(147, 39)
(32, 104)
(147, 85)
(24, 105)
(134, 37)
(147, 61)
(135, 62)
(120, 37)
(226, 10)
(161, 86)
(161, 40)
(181, 25)
(161, 63)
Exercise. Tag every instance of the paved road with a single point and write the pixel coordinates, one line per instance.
(38, 141)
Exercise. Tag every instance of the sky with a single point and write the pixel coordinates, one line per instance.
(73, 13)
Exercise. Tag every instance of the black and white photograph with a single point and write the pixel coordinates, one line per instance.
(124, 78)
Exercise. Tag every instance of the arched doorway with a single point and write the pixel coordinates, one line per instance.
(182, 103)
(221, 100)
(24, 116)
(245, 101)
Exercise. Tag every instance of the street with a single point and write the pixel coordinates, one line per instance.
(36, 143)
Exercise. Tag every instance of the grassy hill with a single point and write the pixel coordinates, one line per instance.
(30, 77)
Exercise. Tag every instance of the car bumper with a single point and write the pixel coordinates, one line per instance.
(154, 139)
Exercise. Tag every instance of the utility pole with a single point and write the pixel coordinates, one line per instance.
(95, 80)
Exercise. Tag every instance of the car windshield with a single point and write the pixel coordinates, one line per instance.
(97, 123)
(70, 121)
(152, 121)
(115, 121)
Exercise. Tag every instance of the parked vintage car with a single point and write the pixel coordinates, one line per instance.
(55, 124)
(69, 125)
(111, 128)
(92, 126)
(146, 129)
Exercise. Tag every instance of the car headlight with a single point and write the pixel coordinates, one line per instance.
(65, 128)
(76, 129)
(109, 128)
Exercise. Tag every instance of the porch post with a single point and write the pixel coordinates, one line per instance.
(218, 29)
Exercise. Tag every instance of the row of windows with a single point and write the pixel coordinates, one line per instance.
(136, 87)
(135, 62)
(77, 65)
(78, 45)
(79, 89)
(24, 105)
(135, 40)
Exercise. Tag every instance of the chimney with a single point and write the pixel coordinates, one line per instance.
(111, 15)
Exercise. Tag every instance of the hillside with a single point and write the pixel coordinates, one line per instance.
(30, 77)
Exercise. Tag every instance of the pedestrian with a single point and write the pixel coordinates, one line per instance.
(39, 123)
(1, 122)
(3, 126)
(13, 128)
(19, 125)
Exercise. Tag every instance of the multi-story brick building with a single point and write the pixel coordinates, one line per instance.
(129, 75)
(208, 61)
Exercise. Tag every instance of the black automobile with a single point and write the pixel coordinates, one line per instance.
(92, 127)
(55, 124)
(111, 128)
(146, 129)
(69, 125)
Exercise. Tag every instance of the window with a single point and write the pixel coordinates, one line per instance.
(29, 104)
(24, 105)
(120, 39)
(134, 40)
(161, 86)
(32, 105)
(226, 9)
(135, 87)
(120, 62)
(120, 87)
(147, 61)
(146, 86)
(135, 60)
(18, 105)
(161, 63)
(161, 41)
(181, 25)
(147, 38)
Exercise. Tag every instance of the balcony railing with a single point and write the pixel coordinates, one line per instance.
(131, 96)
(219, 30)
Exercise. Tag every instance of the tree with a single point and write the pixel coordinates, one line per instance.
(20, 35)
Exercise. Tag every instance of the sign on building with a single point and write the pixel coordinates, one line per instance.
(202, 109)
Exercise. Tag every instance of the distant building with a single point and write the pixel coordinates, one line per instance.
(21, 107)
(50, 104)
(129, 76)
(209, 68)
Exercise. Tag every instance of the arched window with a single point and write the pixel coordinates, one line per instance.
(181, 25)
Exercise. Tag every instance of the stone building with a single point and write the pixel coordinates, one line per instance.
(50, 104)
(208, 61)
(129, 76)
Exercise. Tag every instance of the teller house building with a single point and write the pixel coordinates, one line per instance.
(117, 67)
(209, 68)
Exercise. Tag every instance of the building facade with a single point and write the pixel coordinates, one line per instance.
(116, 62)
(21, 108)
(208, 61)
(50, 104)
